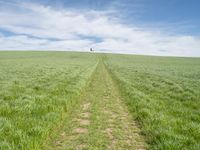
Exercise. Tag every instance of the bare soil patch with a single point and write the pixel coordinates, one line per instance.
(80, 130)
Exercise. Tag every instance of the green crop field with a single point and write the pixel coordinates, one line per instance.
(71, 100)
(36, 88)
(163, 94)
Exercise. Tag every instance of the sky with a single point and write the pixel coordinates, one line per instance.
(145, 27)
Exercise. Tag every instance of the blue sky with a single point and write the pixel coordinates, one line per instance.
(150, 27)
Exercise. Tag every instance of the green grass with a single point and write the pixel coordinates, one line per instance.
(36, 89)
(109, 125)
(39, 89)
(163, 94)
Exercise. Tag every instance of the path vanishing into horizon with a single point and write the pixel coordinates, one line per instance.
(100, 122)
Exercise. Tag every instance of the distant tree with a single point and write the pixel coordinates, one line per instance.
(91, 49)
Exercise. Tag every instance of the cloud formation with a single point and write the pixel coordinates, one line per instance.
(37, 27)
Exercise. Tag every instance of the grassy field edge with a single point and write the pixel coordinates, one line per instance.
(76, 104)
(123, 93)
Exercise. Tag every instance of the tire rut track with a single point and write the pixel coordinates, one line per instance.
(102, 120)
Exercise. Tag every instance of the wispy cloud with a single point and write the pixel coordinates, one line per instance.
(39, 27)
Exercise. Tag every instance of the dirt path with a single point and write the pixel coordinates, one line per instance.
(102, 121)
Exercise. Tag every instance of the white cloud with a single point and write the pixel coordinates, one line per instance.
(37, 27)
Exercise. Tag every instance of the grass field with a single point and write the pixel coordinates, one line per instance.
(36, 88)
(163, 94)
(66, 100)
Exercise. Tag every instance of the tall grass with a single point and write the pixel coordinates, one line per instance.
(163, 95)
(36, 89)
